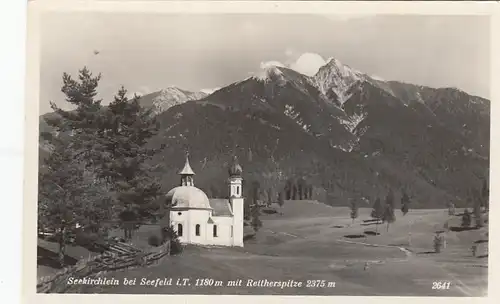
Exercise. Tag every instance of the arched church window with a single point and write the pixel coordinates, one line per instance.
(198, 230)
(215, 230)
(237, 190)
(231, 230)
(179, 229)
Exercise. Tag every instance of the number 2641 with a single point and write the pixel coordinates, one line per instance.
(441, 285)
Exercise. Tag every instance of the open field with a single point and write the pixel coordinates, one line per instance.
(308, 242)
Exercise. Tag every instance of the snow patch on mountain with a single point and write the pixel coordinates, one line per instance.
(352, 122)
(294, 115)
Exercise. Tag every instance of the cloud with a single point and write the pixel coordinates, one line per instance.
(268, 64)
(305, 63)
(376, 77)
(308, 64)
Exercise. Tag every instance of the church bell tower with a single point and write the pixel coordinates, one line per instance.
(236, 200)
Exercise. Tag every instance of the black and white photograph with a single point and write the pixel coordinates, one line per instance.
(246, 153)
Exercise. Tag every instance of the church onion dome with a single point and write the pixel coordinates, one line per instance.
(235, 169)
(187, 197)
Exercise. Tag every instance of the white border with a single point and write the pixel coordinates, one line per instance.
(37, 7)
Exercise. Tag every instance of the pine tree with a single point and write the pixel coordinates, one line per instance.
(294, 190)
(255, 192)
(451, 208)
(69, 194)
(405, 203)
(281, 201)
(270, 196)
(377, 212)
(389, 216)
(256, 222)
(466, 218)
(83, 122)
(478, 217)
(438, 242)
(288, 189)
(69, 191)
(485, 195)
(301, 188)
(123, 155)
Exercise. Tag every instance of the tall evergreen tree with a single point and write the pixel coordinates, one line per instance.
(389, 216)
(255, 192)
(354, 210)
(69, 195)
(405, 203)
(466, 218)
(123, 154)
(256, 222)
(69, 191)
(478, 216)
(485, 195)
(288, 189)
(377, 212)
(281, 200)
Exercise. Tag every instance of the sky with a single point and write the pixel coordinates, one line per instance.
(148, 52)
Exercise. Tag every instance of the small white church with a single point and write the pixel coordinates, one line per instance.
(200, 220)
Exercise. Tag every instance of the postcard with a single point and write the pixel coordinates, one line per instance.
(290, 149)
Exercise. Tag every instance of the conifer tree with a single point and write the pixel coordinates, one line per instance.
(69, 191)
(123, 154)
(478, 217)
(281, 200)
(377, 212)
(485, 195)
(69, 195)
(466, 218)
(354, 210)
(389, 216)
(405, 203)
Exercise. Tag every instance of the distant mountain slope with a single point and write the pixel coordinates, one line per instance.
(351, 136)
(162, 100)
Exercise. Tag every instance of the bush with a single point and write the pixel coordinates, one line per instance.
(154, 240)
(86, 239)
(269, 211)
(438, 242)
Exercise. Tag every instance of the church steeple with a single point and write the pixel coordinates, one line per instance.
(235, 180)
(187, 173)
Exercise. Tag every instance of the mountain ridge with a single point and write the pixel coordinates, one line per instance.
(348, 134)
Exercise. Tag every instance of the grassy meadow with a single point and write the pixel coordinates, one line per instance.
(313, 241)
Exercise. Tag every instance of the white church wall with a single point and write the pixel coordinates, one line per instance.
(198, 217)
(180, 217)
(223, 236)
(237, 221)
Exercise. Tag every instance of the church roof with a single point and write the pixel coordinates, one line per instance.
(221, 207)
(187, 197)
(187, 168)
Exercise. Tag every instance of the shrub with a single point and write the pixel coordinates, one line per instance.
(466, 218)
(169, 233)
(438, 242)
(269, 211)
(86, 239)
(154, 240)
